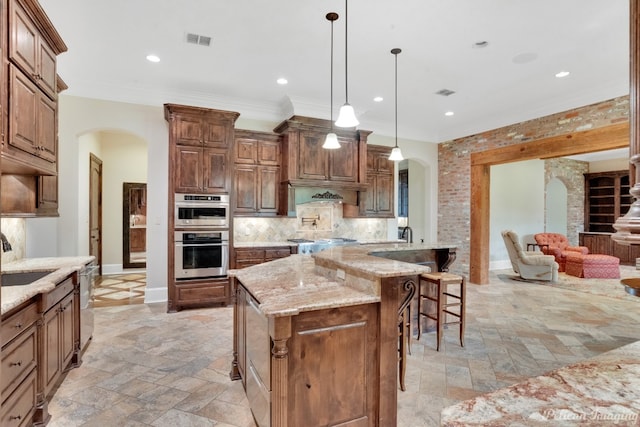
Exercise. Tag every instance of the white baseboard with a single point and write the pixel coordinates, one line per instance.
(152, 295)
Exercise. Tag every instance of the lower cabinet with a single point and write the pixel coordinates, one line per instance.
(19, 367)
(246, 257)
(601, 243)
(202, 292)
(39, 341)
(315, 368)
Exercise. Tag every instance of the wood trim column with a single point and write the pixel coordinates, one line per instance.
(280, 332)
(480, 228)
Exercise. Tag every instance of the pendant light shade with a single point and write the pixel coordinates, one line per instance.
(331, 141)
(396, 154)
(347, 117)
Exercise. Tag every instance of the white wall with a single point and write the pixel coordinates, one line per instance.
(517, 203)
(124, 159)
(81, 116)
(556, 221)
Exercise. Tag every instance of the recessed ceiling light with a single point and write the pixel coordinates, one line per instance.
(153, 58)
(378, 99)
(449, 113)
(282, 81)
(562, 74)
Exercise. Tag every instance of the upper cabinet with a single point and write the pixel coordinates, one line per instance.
(29, 145)
(256, 176)
(377, 201)
(29, 48)
(200, 140)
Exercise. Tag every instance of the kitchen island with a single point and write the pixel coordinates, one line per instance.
(316, 337)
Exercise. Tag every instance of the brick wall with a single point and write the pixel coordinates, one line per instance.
(454, 163)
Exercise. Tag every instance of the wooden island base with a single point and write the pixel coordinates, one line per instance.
(316, 340)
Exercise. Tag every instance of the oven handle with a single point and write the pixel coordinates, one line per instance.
(199, 245)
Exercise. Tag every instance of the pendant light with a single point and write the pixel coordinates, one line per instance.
(396, 154)
(347, 117)
(331, 141)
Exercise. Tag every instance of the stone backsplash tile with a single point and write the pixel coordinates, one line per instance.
(328, 223)
(15, 229)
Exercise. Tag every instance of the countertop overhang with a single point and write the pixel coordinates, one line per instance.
(328, 279)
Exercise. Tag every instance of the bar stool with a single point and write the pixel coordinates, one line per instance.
(436, 290)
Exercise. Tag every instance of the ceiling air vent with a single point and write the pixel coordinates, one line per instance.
(198, 39)
(445, 92)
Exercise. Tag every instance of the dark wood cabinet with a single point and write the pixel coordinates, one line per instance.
(606, 199)
(201, 293)
(29, 49)
(246, 257)
(377, 201)
(257, 157)
(200, 140)
(601, 243)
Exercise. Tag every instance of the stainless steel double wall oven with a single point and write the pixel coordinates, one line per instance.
(201, 235)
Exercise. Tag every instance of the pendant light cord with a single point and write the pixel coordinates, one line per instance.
(396, 100)
(346, 84)
(331, 97)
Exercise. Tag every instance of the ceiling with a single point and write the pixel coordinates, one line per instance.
(255, 42)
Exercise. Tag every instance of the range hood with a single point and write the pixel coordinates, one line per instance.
(304, 195)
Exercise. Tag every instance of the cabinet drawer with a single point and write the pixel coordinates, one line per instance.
(18, 359)
(18, 322)
(202, 293)
(271, 254)
(242, 254)
(259, 398)
(248, 263)
(52, 298)
(18, 409)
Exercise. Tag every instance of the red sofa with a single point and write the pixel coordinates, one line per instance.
(557, 244)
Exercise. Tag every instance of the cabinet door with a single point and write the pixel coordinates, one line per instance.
(51, 355)
(312, 159)
(188, 167)
(188, 130)
(215, 170)
(384, 196)
(246, 151)
(46, 125)
(343, 162)
(246, 180)
(47, 75)
(23, 48)
(269, 153)
(269, 180)
(67, 338)
(370, 195)
(24, 107)
(215, 133)
(47, 203)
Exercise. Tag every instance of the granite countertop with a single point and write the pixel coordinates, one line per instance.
(300, 283)
(60, 267)
(290, 285)
(603, 390)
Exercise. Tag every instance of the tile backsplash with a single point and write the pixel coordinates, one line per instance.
(313, 221)
(15, 230)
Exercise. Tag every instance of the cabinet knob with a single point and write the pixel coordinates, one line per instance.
(18, 363)
(15, 417)
(18, 325)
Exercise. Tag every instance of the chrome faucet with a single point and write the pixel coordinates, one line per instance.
(407, 234)
(6, 246)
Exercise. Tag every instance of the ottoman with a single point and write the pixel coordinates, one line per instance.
(593, 266)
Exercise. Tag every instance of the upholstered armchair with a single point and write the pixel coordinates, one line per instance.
(557, 244)
(531, 265)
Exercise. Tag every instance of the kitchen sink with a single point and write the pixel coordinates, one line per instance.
(22, 278)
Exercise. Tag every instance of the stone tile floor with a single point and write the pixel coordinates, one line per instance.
(149, 368)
